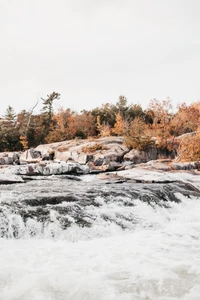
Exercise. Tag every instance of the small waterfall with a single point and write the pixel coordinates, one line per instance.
(119, 241)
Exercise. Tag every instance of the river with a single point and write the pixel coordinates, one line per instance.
(71, 238)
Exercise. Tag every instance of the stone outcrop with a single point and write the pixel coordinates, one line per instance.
(9, 158)
(46, 168)
(8, 179)
(99, 151)
(185, 165)
(30, 155)
(87, 157)
(137, 157)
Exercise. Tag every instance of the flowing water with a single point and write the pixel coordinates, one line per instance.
(64, 239)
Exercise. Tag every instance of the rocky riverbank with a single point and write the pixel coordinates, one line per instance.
(80, 157)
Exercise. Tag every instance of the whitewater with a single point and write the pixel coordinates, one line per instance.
(64, 239)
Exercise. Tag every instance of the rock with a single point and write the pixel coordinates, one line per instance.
(47, 168)
(9, 158)
(96, 169)
(111, 178)
(184, 165)
(138, 157)
(51, 153)
(91, 155)
(101, 151)
(113, 166)
(110, 166)
(45, 157)
(113, 152)
(8, 179)
(30, 155)
(100, 160)
(159, 164)
(135, 156)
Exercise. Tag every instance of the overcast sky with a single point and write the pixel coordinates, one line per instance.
(93, 51)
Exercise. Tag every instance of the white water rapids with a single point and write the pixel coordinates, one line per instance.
(160, 261)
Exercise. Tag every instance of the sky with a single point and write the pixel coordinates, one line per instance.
(93, 51)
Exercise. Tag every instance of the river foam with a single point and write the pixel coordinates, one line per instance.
(156, 260)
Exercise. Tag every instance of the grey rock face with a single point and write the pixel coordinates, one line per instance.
(9, 158)
(138, 157)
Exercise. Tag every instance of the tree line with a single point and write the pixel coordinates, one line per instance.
(157, 125)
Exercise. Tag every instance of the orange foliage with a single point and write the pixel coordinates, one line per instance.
(186, 119)
(93, 148)
(189, 149)
(24, 141)
(104, 129)
(119, 126)
(81, 125)
(68, 125)
(138, 137)
(161, 115)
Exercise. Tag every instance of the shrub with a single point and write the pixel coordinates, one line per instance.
(137, 136)
(189, 149)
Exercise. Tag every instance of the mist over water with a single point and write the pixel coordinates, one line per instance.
(64, 239)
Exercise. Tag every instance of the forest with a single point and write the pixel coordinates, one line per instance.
(158, 125)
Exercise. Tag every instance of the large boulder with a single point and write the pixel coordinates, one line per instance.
(100, 151)
(30, 155)
(9, 158)
(137, 157)
(64, 151)
(111, 152)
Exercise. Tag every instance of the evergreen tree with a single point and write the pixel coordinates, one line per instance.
(46, 120)
(9, 133)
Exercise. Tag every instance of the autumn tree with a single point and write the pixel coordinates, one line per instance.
(189, 148)
(68, 125)
(83, 125)
(138, 137)
(187, 119)
(22, 119)
(103, 129)
(59, 128)
(106, 115)
(161, 114)
(135, 111)
(119, 126)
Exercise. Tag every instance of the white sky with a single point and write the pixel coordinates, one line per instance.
(93, 51)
